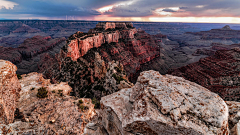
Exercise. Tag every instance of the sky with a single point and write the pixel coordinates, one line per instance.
(205, 11)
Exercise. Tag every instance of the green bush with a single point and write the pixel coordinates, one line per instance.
(42, 92)
(80, 101)
(96, 103)
(82, 107)
(19, 76)
(117, 78)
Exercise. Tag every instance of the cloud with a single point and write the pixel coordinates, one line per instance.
(121, 8)
(187, 8)
(7, 4)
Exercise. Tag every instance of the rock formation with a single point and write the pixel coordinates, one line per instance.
(9, 91)
(54, 112)
(218, 73)
(77, 64)
(162, 105)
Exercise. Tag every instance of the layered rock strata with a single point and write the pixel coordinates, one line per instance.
(162, 105)
(132, 48)
(218, 73)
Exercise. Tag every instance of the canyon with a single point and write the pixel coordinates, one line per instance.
(90, 79)
(218, 73)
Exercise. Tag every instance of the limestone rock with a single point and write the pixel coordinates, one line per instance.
(164, 105)
(57, 113)
(9, 91)
(234, 113)
(236, 129)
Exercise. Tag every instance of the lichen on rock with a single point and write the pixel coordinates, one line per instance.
(162, 105)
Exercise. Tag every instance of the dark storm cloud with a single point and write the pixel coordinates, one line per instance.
(58, 8)
(193, 8)
(168, 10)
(139, 8)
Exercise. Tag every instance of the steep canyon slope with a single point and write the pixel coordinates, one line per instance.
(219, 73)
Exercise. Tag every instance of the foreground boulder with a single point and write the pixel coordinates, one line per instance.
(234, 117)
(40, 107)
(9, 91)
(164, 105)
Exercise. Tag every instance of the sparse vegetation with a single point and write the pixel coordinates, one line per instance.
(53, 91)
(80, 101)
(117, 78)
(96, 103)
(19, 76)
(42, 92)
(81, 106)
(118, 69)
(32, 88)
(60, 92)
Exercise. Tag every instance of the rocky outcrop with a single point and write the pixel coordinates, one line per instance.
(162, 105)
(218, 73)
(113, 25)
(129, 46)
(234, 117)
(84, 59)
(80, 43)
(9, 91)
(54, 112)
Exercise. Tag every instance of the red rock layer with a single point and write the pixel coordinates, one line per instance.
(219, 73)
(80, 46)
(129, 46)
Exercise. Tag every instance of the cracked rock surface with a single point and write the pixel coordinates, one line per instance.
(164, 105)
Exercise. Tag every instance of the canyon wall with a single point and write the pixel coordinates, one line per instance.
(121, 43)
(219, 73)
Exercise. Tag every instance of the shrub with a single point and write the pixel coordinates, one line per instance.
(32, 88)
(117, 78)
(42, 92)
(96, 103)
(60, 92)
(19, 76)
(82, 107)
(80, 101)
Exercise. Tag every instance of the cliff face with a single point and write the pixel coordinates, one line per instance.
(112, 42)
(162, 105)
(9, 91)
(219, 73)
